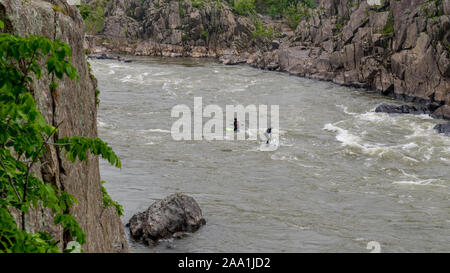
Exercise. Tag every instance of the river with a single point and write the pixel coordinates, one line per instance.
(342, 176)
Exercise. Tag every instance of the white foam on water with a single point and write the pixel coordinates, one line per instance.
(156, 131)
(409, 146)
(127, 78)
(425, 116)
(171, 93)
(111, 72)
(267, 147)
(161, 74)
(429, 153)
(343, 135)
(284, 157)
(425, 182)
(375, 117)
(349, 140)
(345, 110)
(421, 130)
(102, 124)
(237, 90)
(117, 65)
(410, 159)
(407, 174)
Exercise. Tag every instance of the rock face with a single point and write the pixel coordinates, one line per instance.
(75, 108)
(171, 28)
(167, 218)
(400, 48)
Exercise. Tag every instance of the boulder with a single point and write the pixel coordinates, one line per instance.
(401, 109)
(443, 128)
(442, 112)
(166, 219)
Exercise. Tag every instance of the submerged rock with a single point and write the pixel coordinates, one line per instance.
(167, 218)
(105, 56)
(443, 128)
(402, 109)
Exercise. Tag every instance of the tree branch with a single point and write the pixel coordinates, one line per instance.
(11, 182)
(30, 165)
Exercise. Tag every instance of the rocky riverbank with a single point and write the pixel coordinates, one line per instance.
(400, 48)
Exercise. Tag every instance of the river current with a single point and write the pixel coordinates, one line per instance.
(343, 175)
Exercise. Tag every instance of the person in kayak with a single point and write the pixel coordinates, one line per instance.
(236, 124)
(268, 134)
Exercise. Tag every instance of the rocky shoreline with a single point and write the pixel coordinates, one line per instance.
(400, 49)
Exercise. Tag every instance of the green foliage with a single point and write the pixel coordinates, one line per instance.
(294, 15)
(181, 10)
(108, 202)
(263, 32)
(79, 147)
(205, 35)
(292, 11)
(278, 8)
(97, 93)
(85, 11)
(24, 138)
(198, 3)
(244, 7)
(389, 27)
(93, 15)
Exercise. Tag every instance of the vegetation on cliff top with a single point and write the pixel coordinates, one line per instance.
(291, 11)
(24, 138)
(93, 15)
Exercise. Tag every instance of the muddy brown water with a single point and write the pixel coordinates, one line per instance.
(343, 175)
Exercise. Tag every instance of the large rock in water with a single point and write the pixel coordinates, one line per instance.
(166, 218)
(401, 109)
(443, 128)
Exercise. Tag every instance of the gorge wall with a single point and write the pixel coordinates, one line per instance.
(171, 28)
(400, 47)
(74, 107)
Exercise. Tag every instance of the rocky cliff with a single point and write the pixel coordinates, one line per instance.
(171, 28)
(74, 107)
(400, 47)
